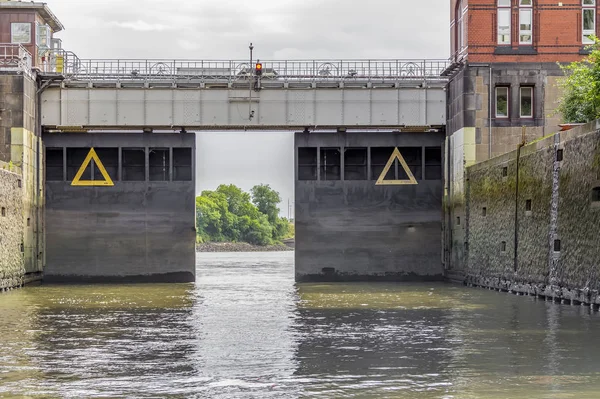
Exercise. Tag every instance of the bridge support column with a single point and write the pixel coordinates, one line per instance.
(368, 206)
(124, 213)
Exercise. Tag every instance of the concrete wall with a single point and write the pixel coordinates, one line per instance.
(20, 145)
(562, 208)
(357, 230)
(135, 231)
(12, 267)
(473, 136)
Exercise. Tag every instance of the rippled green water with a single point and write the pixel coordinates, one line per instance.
(246, 331)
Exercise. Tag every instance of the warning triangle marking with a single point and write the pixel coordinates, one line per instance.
(411, 178)
(104, 183)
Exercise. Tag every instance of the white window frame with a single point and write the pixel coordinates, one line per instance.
(507, 102)
(504, 8)
(589, 6)
(525, 9)
(461, 27)
(530, 88)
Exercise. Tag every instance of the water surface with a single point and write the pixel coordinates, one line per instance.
(245, 330)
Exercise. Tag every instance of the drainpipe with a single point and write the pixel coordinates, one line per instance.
(516, 258)
(490, 89)
(38, 126)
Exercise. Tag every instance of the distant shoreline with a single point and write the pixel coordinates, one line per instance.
(242, 247)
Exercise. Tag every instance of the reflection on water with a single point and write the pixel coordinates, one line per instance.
(246, 331)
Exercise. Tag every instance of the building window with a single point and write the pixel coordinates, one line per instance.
(525, 22)
(355, 164)
(501, 102)
(307, 163)
(526, 97)
(504, 21)
(589, 21)
(461, 29)
(331, 168)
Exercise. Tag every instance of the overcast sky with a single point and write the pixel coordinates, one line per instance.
(281, 29)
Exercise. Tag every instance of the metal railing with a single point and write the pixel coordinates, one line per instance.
(229, 71)
(61, 61)
(14, 58)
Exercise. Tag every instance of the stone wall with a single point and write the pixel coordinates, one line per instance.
(12, 268)
(556, 215)
(21, 145)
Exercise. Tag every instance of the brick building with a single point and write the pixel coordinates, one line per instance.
(504, 77)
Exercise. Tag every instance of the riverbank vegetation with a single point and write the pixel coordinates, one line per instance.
(229, 214)
(580, 102)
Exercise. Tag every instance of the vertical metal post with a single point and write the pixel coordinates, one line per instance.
(250, 81)
(120, 164)
(318, 163)
(147, 163)
(65, 177)
(342, 163)
(171, 162)
(423, 164)
(369, 164)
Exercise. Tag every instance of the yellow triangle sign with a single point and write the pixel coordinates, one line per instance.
(411, 178)
(107, 180)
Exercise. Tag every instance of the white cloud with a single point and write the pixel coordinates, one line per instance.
(142, 26)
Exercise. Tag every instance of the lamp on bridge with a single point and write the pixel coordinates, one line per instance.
(258, 69)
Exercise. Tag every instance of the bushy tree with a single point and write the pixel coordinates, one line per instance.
(227, 214)
(581, 99)
(266, 200)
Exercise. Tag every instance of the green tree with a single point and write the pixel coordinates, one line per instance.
(208, 220)
(235, 197)
(266, 200)
(580, 102)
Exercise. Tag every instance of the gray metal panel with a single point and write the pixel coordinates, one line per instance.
(159, 107)
(223, 108)
(131, 107)
(188, 110)
(75, 107)
(215, 107)
(328, 107)
(273, 108)
(410, 107)
(104, 109)
(133, 231)
(356, 230)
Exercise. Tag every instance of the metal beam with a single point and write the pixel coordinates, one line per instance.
(398, 106)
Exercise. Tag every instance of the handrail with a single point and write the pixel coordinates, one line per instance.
(15, 57)
(232, 70)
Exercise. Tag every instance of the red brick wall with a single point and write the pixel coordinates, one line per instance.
(557, 32)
